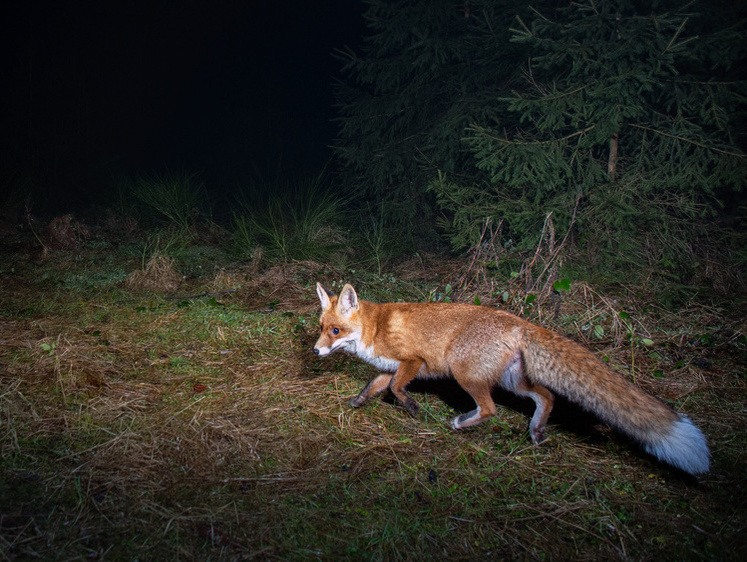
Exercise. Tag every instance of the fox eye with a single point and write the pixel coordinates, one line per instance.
(335, 331)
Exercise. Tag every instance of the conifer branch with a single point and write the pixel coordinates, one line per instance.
(528, 143)
(690, 141)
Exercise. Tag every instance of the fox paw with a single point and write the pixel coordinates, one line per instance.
(538, 435)
(411, 406)
(357, 401)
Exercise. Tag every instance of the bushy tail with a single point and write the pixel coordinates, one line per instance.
(572, 371)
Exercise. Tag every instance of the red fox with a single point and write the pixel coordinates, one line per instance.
(482, 347)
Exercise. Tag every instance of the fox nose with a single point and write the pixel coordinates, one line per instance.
(316, 351)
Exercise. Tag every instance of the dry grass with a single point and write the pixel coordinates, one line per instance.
(158, 275)
(64, 233)
(135, 426)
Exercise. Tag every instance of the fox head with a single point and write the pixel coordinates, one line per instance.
(340, 324)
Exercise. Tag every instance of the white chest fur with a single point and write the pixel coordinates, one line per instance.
(369, 356)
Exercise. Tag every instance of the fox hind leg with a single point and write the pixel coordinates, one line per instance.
(544, 399)
(485, 407)
(514, 379)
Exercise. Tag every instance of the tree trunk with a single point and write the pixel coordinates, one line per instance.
(612, 162)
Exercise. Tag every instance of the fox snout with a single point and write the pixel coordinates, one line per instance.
(321, 351)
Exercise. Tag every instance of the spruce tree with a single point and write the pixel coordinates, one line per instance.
(627, 122)
(427, 69)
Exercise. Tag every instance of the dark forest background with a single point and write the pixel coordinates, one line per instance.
(609, 132)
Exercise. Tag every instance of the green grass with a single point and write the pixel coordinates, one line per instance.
(164, 426)
(290, 219)
(176, 198)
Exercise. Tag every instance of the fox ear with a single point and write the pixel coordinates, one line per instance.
(323, 296)
(347, 303)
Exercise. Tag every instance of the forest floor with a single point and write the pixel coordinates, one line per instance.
(155, 410)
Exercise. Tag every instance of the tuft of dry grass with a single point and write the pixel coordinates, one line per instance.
(64, 233)
(159, 275)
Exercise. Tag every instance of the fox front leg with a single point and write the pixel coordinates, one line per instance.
(406, 372)
(373, 388)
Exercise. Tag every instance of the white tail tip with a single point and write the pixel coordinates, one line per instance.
(684, 447)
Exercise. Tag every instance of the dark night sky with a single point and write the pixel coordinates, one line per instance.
(212, 86)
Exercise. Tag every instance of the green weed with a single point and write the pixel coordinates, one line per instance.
(178, 198)
(290, 220)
